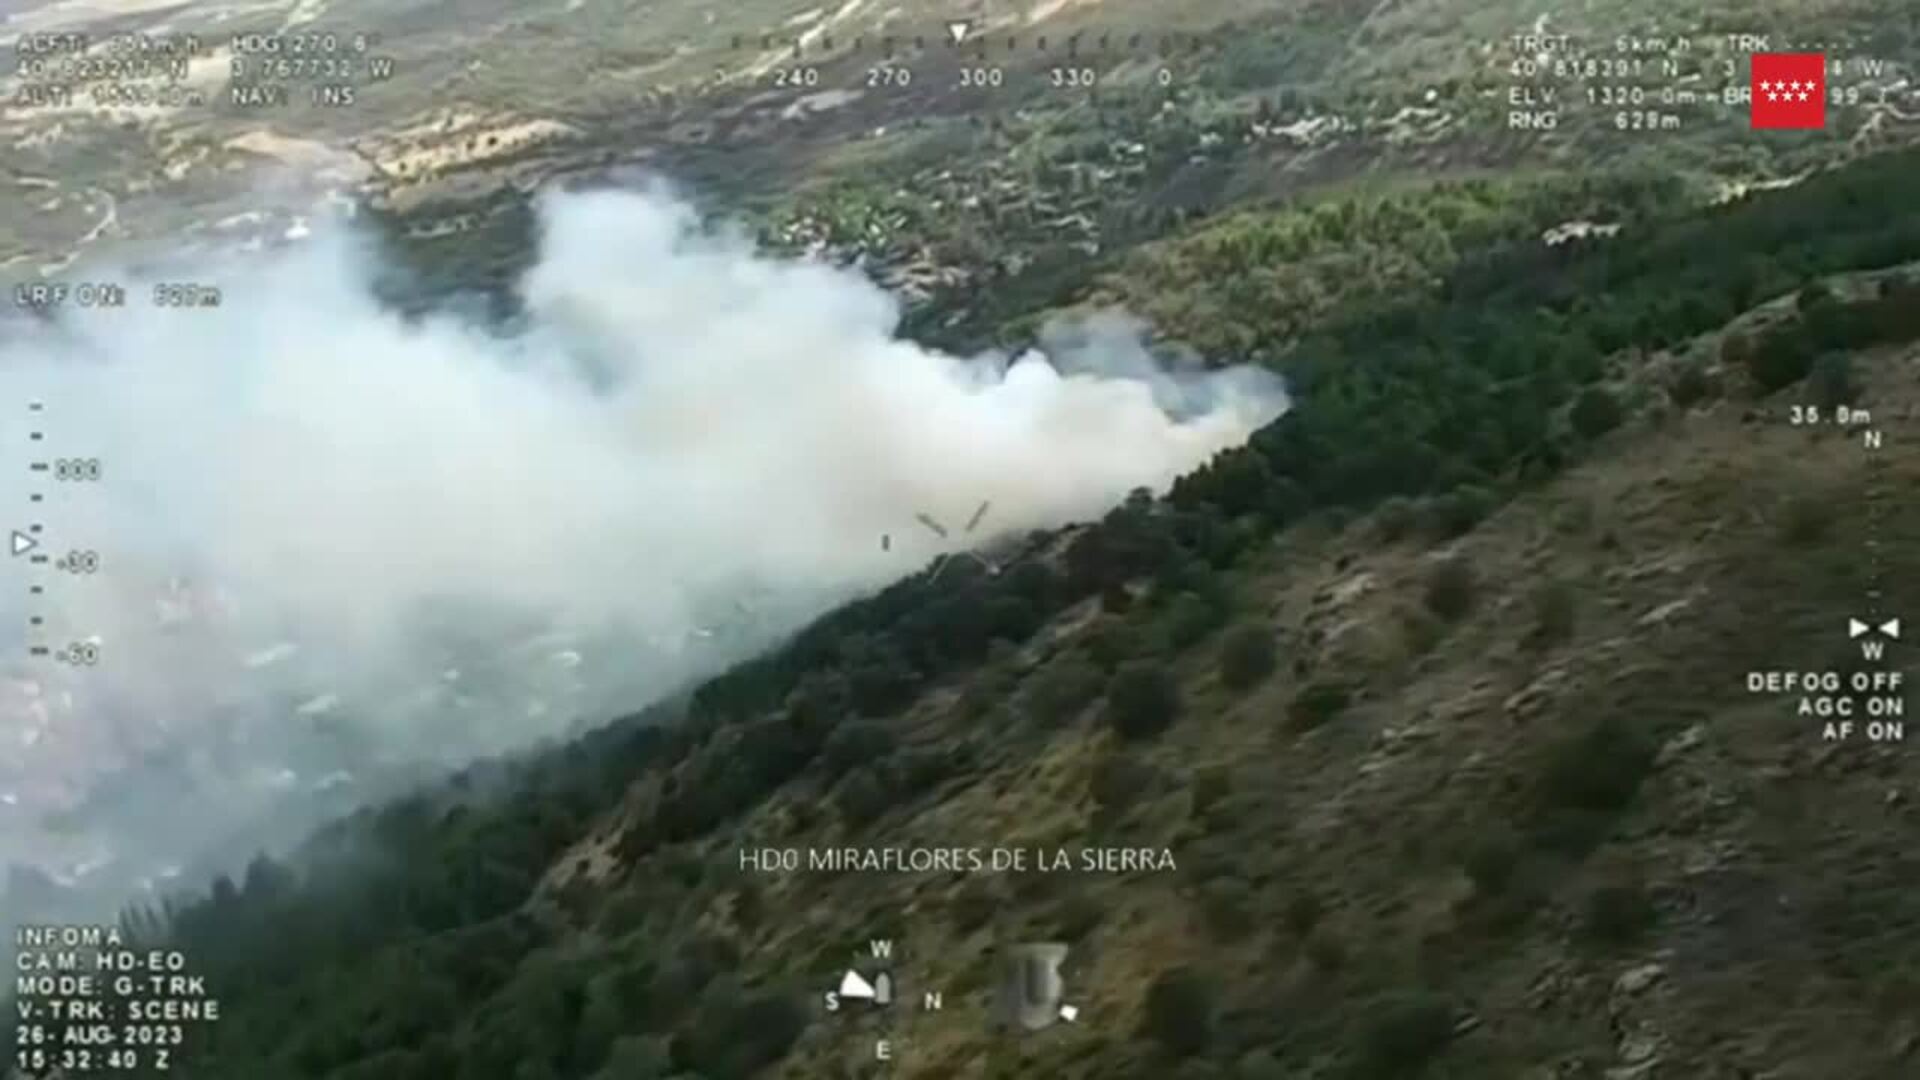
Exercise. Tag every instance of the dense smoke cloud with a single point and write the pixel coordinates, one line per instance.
(337, 540)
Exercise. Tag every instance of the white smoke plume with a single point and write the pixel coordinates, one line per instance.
(336, 540)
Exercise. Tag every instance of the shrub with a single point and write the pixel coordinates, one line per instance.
(1119, 780)
(1406, 1033)
(1142, 700)
(1450, 589)
(1600, 769)
(862, 796)
(1491, 864)
(1210, 787)
(1595, 412)
(1227, 905)
(1554, 606)
(1420, 630)
(853, 743)
(1618, 914)
(1318, 702)
(1075, 916)
(1247, 656)
(1690, 386)
(638, 1057)
(1812, 295)
(1113, 642)
(1782, 358)
(1737, 350)
(1063, 688)
(1179, 1012)
(1458, 512)
(1303, 912)
(1190, 618)
(736, 1032)
(1259, 1065)
(974, 905)
(1831, 382)
(1806, 520)
(1589, 779)
(1325, 950)
(1395, 518)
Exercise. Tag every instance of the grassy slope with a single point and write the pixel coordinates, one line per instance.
(1771, 860)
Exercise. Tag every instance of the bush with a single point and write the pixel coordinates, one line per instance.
(1303, 913)
(1113, 642)
(1210, 788)
(1595, 412)
(1227, 906)
(1075, 916)
(1190, 619)
(1247, 656)
(1812, 295)
(1119, 780)
(1690, 386)
(1406, 1033)
(1807, 519)
(1318, 702)
(1062, 689)
(638, 1058)
(1831, 382)
(1259, 1065)
(1142, 700)
(862, 796)
(1491, 864)
(736, 1032)
(1619, 914)
(853, 743)
(1588, 780)
(1420, 630)
(1458, 512)
(1782, 358)
(1554, 606)
(974, 905)
(1395, 518)
(1325, 951)
(1450, 589)
(1179, 1012)
(1737, 350)
(1600, 769)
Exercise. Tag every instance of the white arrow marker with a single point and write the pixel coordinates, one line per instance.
(853, 986)
(1856, 628)
(957, 30)
(22, 543)
(1891, 628)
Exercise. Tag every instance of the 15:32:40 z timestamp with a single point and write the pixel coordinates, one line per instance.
(35, 1061)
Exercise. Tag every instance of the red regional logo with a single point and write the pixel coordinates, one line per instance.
(1789, 90)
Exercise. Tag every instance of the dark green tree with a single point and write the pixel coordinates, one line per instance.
(1142, 700)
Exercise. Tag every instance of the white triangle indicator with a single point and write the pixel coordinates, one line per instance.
(957, 30)
(22, 543)
(853, 986)
(1891, 628)
(1855, 628)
